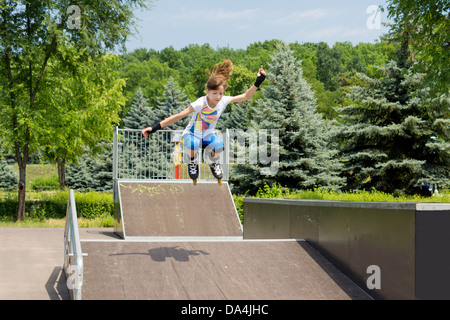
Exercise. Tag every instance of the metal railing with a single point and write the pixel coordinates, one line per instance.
(73, 256)
(160, 157)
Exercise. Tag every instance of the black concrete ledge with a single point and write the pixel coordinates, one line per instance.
(408, 242)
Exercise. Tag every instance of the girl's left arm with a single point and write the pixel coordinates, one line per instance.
(250, 92)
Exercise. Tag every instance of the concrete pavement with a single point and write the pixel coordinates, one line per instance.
(31, 264)
(31, 261)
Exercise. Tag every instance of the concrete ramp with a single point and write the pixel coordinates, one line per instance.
(212, 270)
(174, 209)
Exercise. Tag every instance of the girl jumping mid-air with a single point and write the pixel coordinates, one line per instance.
(206, 111)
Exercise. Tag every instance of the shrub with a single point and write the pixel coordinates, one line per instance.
(94, 204)
(53, 205)
(40, 183)
(239, 204)
(273, 191)
(8, 177)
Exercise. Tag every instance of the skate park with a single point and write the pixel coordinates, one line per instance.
(176, 241)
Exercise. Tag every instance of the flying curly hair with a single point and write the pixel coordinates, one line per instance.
(219, 75)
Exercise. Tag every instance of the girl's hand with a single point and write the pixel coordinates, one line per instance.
(152, 129)
(146, 132)
(261, 77)
(262, 71)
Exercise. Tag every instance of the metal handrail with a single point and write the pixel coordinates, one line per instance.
(73, 256)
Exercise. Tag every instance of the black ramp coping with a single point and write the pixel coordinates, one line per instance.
(152, 209)
(217, 270)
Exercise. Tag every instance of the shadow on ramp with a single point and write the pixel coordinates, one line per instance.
(163, 253)
(234, 270)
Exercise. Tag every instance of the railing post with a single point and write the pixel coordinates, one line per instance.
(73, 268)
(115, 152)
(226, 164)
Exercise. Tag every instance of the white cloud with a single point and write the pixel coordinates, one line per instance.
(324, 33)
(299, 16)
(337, 33)
(244, 27)
(189, 15)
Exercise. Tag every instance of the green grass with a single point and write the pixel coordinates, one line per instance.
(37, 171)
(8, 222)
(99, 222)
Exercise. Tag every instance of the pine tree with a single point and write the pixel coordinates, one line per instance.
(140, 115)
(391, 141)
(136, 150)
(236, 117)
(306, 159)
(172, 102)
(80, 176)
(8, 177)
(132, 161)
(92, 172)
(102, 170)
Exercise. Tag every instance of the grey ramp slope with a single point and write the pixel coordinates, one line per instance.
(152, 209)
(233, 270)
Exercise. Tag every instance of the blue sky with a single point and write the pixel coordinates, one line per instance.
(238, 23)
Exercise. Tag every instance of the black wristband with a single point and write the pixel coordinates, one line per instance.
(155, 127)
(260, 80)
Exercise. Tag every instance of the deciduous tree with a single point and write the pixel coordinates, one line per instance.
(33, 34)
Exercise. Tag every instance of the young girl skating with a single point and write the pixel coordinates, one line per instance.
(206, 112)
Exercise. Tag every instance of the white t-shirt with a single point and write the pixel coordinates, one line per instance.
(204, 119)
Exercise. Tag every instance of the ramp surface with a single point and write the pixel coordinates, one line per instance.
(152, 209)
(234, 270)
(184, 242)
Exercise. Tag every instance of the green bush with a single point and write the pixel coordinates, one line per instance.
(53, 205)
(8, 206)
(239, 204)
(273, 191)
(8, 177)
(94, 204)
(40, 183)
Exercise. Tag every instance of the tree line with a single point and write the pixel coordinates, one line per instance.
(360, 122)
(327, 69)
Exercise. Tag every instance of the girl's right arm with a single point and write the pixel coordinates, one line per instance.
(167, 122)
